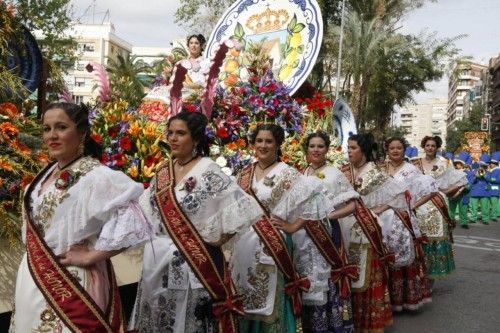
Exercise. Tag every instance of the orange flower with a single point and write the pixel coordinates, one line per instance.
(4, 164)
(26, 180)
(285, 158)
(241, 142)
(8, 129)
(43, 158)
(232, 146)
(231, 80)
(134, 129)
(9, 109)
(22, 148)
(1, 181)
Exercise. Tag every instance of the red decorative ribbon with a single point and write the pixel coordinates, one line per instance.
(294, 289)
(344, 275)
(65, 295)
(191, 245)
(275, 244)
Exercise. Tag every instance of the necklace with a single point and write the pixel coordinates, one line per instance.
(393, 167)
(261, 168)
(67, 165)
(315, 169)
(357, 170)
(187, 162)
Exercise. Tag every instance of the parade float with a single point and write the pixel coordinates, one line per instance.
(256, 58)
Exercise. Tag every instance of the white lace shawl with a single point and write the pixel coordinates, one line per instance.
(101, 207)
(417, 183)
(446, 175)
(216, 205)
(293, 195)
(384, 191)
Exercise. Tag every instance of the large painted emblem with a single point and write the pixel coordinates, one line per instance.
(290, 31)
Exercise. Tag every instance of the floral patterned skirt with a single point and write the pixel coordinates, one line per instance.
(334, 316)
(439, 258)
(409, 286)
(372, 307)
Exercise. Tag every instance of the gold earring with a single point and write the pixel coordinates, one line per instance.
(81, 148)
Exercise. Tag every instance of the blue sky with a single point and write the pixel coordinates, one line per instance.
(151, 23)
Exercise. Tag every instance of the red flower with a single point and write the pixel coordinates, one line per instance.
(190, 107)
(119, 159)
(113, 131)
(222, 132)
(65, 175)
(125, 143)
(104, 158)
(146, 185)
(96, 137)
(150, 160)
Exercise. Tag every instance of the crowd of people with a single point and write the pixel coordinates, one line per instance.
(275, 250)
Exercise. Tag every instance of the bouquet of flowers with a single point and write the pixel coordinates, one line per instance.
(21, 157)
(130, 139)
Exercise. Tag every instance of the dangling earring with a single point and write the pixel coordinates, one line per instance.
(194, 152)
(81, 148)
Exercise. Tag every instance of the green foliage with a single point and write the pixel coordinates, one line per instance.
(200, 15)
(455, 137)
(400, 73)
(126, 80)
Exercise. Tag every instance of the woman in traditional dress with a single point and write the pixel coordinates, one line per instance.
(195, 208)
(363, 234)
(433, 217)
(195, 77)
(262, 263)
(77, 214)
(328, 308)
(408, 282)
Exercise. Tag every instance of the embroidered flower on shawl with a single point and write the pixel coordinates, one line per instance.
(371, 181)
(189, 184)
(320, 175)
(269, 181)
(66, 179)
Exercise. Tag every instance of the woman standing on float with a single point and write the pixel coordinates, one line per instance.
(262, 264)
(433, 217)
(77, 214)
(409, 285)
(327, 306)
(195, 208)
(363, 234)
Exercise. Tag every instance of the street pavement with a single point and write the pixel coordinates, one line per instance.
(469, 300)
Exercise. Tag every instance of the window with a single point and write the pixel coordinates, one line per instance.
(78, 99)
(86, 47)
(79, 82)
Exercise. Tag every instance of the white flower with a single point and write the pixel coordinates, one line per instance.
(214, 150)
(227, 171)
(221, 161)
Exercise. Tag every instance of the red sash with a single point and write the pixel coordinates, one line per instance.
(189, 242)
(275, 244)
(369, 223)
(72, 304)
(342, 271)
(440, 203)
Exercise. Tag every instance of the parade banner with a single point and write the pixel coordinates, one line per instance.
(65, 295)
(476, 144)
(189, 242)
(274, 242)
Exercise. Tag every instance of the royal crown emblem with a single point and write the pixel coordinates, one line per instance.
(268, 20)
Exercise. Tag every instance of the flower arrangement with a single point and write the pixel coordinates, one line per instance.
(130, 139)
(21, 157)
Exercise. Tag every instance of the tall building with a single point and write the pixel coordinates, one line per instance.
(423, 119)
(464, 79)
(494, 102)
(96, 43)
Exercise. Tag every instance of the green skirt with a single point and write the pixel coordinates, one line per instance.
(439, 258)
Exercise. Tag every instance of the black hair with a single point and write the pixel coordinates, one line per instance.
(200, 39)
(367, 143)
(79, 114)
(277, 131)
(436, 139)
(197, 125)
(318, 134)
(388, 141)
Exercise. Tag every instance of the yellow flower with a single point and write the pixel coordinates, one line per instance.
(134, 129)
(320, 175)
(133, 171)
(148, 172)
(150, 131)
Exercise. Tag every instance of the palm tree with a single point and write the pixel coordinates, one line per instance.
(127, 77)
